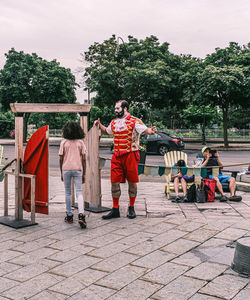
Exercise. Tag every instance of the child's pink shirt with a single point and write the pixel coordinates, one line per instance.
(72, 151)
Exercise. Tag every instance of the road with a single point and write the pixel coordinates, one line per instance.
(227, 157)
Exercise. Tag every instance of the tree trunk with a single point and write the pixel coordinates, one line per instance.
(225, 115)
(25, 123)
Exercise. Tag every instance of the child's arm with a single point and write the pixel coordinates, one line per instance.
(61, 163)
(83, 168)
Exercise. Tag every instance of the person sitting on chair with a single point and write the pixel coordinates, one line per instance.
(179, 178)
(211, 159)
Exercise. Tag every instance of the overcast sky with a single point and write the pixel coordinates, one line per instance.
(62, 29)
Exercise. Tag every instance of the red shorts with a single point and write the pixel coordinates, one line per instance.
(125, 167)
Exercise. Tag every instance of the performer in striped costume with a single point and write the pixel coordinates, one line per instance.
(126, 131)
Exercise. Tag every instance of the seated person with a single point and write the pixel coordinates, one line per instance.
(182, 179)
(211, 158)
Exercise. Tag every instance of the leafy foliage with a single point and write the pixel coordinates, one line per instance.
(28, 78)
(141, 71)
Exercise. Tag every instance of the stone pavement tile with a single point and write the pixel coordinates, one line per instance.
(31, 287)
(27, 272)
(49, 263)
(145, 247)
(33, 257)
(3, 298)
(103, 240)
(138, 289)
(9, 244)
(4, 229)
(34, 235)
(206, 271)
(64, 234)
(6, 284)
(225, 286)
(109, 250)
(12, 235)
(72, 242)
(34, 245)
(200, 235)
(149, 222)
(188, 259)
(136, 238)
(122, 277)
(69, 286)
(180, 219)
(68, 254)
(169, 236)
(180, 246)
(243, 294)
(8, 254)
(48, 295)
(231, 234)
(130, 229)
(153, 259)
(180, 288)
(190, 226)
(75, 265)
(213, 242)
(115, 262)
(199, 296)
(6, 267)
(159, 228)
(93, 292)
(217, 225)
(89, 276)
(165, 273)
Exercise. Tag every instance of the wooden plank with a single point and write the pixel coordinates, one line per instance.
(92, 191)
(19, 159)
(49, 107)
(32, 193)
(6, 195)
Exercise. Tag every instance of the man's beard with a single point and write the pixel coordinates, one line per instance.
(120, 114)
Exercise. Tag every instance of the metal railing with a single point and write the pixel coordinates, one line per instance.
(211, 133)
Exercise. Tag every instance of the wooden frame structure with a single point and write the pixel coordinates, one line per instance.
(91, 197)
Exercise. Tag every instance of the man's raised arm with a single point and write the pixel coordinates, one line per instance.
(150, 131)
(102, 127)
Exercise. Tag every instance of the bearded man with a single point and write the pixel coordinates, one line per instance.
(126, 131)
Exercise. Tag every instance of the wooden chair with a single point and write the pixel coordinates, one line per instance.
(171, 158)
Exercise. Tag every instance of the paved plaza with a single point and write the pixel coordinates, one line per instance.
(170, 251)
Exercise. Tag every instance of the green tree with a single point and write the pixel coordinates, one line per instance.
(27, 78)
(141, 71)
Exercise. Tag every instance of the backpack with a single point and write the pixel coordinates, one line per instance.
(210, 185)
(191, 193)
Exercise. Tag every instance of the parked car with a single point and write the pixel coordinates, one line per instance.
(162, 142)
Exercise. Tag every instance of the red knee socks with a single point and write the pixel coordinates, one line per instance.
(115, 202)
(132, 201)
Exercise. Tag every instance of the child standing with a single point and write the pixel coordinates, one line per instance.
(72, 154)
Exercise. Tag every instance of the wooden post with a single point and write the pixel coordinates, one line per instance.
(19, 159)
(6, 195)
(84, 125)
(32, 195)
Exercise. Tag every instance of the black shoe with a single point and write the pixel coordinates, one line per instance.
(68, 219)
(114, 213)
(223, 198)
(81, 221)
(235, 198)
(177, 199)
(131, 212)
